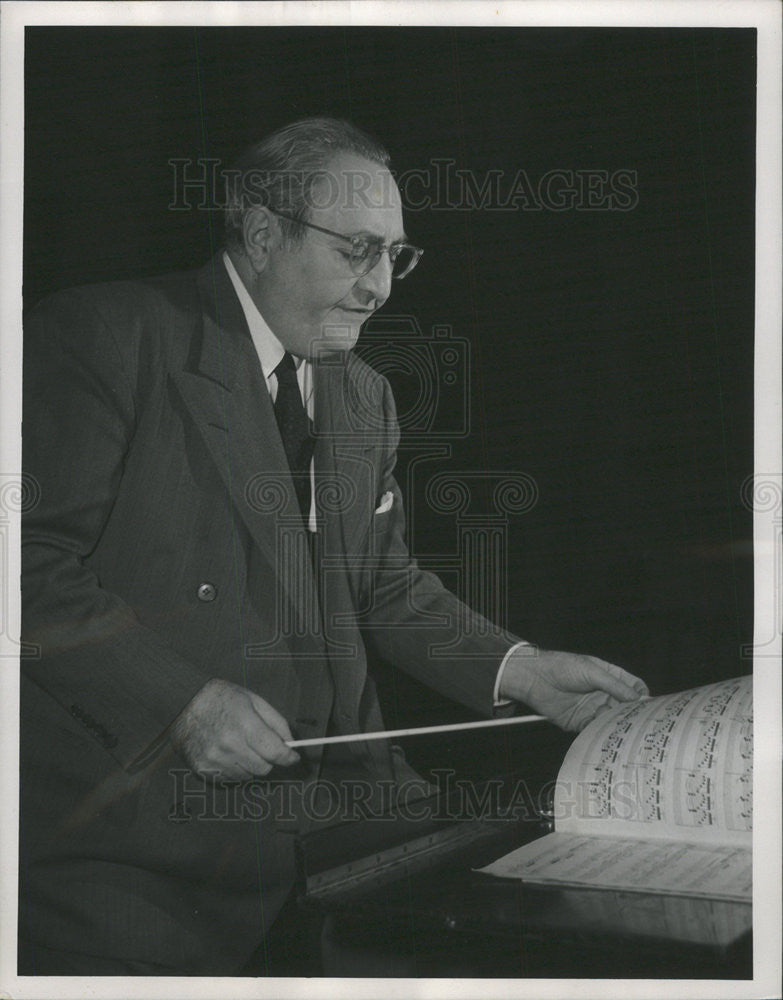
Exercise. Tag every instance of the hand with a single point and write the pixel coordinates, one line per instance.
(232, 731)
(569, 688)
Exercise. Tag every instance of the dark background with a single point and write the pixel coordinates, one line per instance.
(611, 352)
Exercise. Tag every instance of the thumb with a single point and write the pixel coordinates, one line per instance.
(586, 709)
(616, 681)
(631, 679)
(271, 716)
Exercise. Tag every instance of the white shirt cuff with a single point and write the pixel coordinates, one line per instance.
(497, 701)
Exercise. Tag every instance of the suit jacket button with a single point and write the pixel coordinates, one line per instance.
(207, 592)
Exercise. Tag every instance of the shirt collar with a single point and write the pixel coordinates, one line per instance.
(269, 349)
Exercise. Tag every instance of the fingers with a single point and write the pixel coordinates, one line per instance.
(586, 709)
(636, 683)
(236, 771)
(233, 732)
(267, 749)
(269, 734)
(251, 750)
(230, 756)
(616, 681)
(270, 715)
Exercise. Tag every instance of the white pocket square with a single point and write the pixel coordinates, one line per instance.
(386, 502)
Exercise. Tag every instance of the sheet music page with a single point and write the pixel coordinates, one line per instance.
(698, 870)
(677, 767)
(693, 919)
(654, 796)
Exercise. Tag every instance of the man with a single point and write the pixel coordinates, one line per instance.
(219, 535)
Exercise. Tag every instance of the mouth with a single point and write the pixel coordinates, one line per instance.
(358, 312)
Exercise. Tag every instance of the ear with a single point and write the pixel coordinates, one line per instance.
(257, 231)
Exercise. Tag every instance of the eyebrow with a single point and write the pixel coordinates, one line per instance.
(366, 234)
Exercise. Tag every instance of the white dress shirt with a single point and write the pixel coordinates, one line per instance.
(270, 353)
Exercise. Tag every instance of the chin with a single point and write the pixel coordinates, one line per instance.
(336, 338)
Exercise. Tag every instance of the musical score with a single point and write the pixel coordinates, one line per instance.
(685, 759)
(654, 796)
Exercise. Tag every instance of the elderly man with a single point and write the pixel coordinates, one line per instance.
(218, 537)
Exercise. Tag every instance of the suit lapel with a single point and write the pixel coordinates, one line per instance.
(344, 478)
(347, 433)
(225, 392)
(343, 462)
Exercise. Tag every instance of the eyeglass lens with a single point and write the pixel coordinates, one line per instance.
(403, 259)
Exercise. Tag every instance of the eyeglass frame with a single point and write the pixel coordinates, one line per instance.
(353, 240)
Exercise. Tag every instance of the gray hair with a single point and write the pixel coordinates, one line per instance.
(281, 170)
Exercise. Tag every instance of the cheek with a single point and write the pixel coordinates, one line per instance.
(331, 295)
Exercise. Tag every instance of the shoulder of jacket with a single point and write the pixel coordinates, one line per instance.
(128, 297)
(149, 314)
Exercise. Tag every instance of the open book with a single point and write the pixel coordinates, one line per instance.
(654, 796)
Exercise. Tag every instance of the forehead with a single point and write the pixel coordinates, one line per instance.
(355, 195)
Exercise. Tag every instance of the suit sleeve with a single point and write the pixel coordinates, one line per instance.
(89, 651)
(413, 621)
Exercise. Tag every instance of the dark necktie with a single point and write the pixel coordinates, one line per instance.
(294, 430)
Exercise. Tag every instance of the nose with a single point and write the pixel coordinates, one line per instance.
(378, 279)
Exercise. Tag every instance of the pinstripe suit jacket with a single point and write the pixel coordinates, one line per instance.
(165, 548)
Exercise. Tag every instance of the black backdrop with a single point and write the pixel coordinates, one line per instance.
(611, 352)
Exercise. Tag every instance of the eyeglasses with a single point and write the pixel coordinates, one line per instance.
(365, 253)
